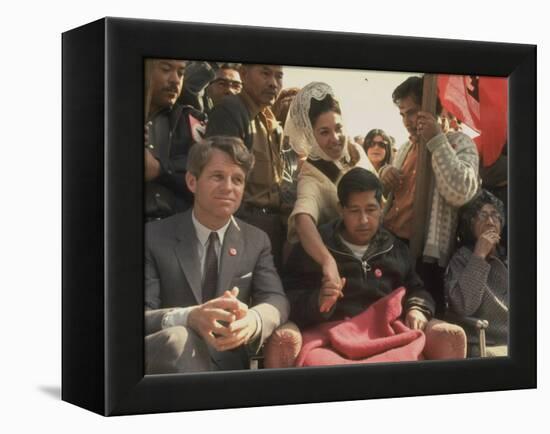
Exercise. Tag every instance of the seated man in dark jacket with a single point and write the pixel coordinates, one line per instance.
(370, 259)
(171, 131)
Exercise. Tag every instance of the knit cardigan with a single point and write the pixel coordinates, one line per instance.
(455, 163)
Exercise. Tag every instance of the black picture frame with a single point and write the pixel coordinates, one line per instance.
(102, 295)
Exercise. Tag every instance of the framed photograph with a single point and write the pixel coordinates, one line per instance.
(106, 102)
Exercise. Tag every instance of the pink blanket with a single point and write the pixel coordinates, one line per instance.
(375, 335)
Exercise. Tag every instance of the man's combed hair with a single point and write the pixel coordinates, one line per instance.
(414, 87)
(200, 153)
(358, 180)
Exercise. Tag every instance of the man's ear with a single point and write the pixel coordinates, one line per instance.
(191, 182)
(243, 71)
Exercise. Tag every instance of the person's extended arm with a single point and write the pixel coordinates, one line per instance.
(313, 245)
(303, 281)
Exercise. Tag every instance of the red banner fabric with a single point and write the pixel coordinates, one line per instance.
(482, 104)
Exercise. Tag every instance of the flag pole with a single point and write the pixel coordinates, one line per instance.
(422, 197)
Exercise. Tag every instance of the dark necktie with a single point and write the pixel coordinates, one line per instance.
(210, 281)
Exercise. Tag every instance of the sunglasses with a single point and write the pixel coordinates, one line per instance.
(378, 143)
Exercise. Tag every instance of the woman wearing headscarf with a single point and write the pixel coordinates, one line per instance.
(476, 281)
(316, 131)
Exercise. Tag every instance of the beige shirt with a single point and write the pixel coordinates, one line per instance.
(263, 182)
(317, 195)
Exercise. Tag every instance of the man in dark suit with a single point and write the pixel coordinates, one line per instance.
(212, 294)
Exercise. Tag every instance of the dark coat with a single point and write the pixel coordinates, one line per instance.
(231, 118)
(385, 266)
(171, 135)
(173, 275)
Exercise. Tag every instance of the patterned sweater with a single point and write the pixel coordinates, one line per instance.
(479, 288)
(455, 162)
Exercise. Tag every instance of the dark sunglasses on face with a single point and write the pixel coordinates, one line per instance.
(378, 143)
(233, 84)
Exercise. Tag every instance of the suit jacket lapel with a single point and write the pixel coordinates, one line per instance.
(186, 252)
(231, 252)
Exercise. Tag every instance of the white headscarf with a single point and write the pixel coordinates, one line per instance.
(298, 127)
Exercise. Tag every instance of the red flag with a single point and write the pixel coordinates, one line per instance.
(482, 104)
(458, 94)
(493, 102)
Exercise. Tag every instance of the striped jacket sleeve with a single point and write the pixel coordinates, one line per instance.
(455, 163)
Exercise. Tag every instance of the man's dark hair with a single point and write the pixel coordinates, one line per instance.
(200, 153)
(413, 87)
(327, 104)
(358, 180)
(234, 66)
(469, 211)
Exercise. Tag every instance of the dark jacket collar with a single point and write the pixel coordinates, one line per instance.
(330, 233)
(173, 114)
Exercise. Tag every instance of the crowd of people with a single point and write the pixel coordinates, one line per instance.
(261, 211)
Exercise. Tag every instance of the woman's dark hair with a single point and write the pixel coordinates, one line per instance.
(327, 104)
(367, 143)
(413, 87)
(358, 180)
(469, 211)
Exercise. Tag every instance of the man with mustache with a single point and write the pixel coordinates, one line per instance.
(371, 261)
(171, 129)
(454, 160)
(212, 294)
(249, 117)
